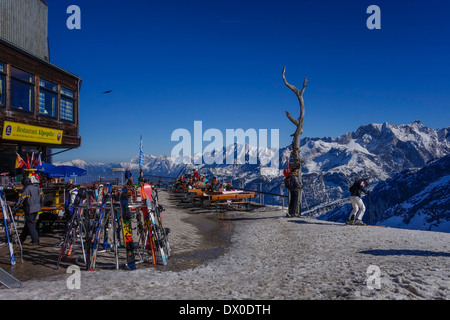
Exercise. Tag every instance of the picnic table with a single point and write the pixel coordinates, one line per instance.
(227, 199)
(221, 199)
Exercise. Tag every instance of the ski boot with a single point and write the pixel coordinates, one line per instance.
(351, 220)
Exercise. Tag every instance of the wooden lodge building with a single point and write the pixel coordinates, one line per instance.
(39, 102)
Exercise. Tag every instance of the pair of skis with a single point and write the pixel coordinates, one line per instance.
(103, 198)
(75, 224)
(125, 218)
(155, 228)
(68, 236)
(164, 231)
(11, 233)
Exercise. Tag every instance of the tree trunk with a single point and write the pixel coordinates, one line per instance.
(295, 149)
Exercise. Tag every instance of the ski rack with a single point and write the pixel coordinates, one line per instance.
(12, 237)
(11, 232)
(72, 234)
(110, 225)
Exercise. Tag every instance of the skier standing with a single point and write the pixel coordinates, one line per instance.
(32, 197)
(356, 190)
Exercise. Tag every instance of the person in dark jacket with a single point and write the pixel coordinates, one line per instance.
(294, 185)
(128, 175)
(32, 198)
(356, 191)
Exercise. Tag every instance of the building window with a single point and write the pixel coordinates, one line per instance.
(48, 97)
(2, 84)
(22, 89)
(66, 108)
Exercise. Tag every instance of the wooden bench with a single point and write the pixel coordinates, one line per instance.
(221, 205)
(229, 195)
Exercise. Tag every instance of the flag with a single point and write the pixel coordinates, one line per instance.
(19, 162)
(141, 154)
(28, 162)
(38, 161)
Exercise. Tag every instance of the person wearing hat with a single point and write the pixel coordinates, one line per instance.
(356, 191)
(31, 197)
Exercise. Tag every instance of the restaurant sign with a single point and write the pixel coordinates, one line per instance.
(29, 133)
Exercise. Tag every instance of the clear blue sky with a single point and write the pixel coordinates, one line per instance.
(170, 63)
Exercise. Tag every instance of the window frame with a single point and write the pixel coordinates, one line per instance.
(3, 75)
(65, 97)
(31, 84)
(44, 90)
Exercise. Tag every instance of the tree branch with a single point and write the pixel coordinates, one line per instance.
(296, 122)
(290, 86)
(299, 95)
(304, 86)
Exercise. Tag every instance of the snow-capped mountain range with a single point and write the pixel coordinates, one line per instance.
(374, 151)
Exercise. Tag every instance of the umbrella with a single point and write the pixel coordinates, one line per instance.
(60, 171)
(52, 170)
(73, 171)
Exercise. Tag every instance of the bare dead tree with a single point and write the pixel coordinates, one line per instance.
(295, 150)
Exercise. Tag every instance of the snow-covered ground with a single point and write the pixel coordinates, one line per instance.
(273, 257)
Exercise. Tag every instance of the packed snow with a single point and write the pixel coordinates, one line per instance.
(274, 257)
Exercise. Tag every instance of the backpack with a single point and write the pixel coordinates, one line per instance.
(288, 182)
(353, 188)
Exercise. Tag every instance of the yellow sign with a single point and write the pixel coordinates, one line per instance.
(26, 132)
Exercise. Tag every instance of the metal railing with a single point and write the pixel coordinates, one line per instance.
(98, 178)
(160, 181)
(262, 193)
(116, 179)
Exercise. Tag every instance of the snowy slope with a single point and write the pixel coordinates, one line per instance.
(271, 258)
